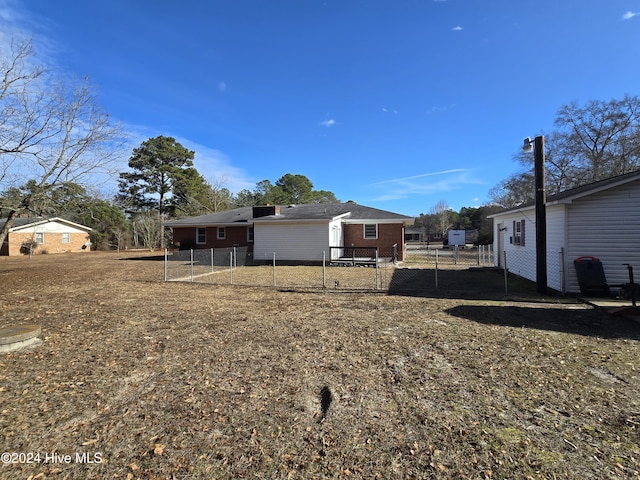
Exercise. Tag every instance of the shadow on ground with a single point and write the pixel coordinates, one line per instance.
(153, 258)
(480, 283)
(593, 323)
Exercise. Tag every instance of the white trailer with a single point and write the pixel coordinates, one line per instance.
(457, 238)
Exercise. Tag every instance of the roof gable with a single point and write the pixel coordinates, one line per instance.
(22, 223)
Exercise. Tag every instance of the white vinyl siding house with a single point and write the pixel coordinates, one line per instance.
(556, 247)
(600, 220)
(606, 225)
(296, 240)
(293, 241)
(519, 249)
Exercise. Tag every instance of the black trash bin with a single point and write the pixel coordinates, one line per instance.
(591, 276)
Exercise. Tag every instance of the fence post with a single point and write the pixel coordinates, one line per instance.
(230, 268)
(212, 269)
(506, 290)
(191, 261)
(274, 269)
(166, 258)
(561, 254)
(324, 269)
(377, 276)
(436, 269)
(235, 257)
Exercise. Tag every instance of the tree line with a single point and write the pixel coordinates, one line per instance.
(441, 218)
(163, 179)
(163, 183)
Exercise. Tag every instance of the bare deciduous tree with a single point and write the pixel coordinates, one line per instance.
(592, 142)
(146, 230)
(442, 212)
(51, 132)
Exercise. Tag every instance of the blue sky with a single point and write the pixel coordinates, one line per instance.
(393, 104)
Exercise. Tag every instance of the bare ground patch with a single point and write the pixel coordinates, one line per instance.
(174, 380)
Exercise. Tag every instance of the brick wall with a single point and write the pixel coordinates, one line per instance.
(388, 235)
(52, 242)
(186, 237)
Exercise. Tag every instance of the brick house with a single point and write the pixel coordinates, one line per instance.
(296, 233)
(50, 235)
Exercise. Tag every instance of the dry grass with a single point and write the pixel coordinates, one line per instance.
(177, 380)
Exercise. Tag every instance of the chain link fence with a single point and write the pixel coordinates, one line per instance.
(340, 269)
(522, 262)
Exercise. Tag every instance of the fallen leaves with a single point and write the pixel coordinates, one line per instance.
(158, 449)
(195, 381)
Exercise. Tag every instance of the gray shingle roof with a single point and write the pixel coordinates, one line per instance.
(318, 212)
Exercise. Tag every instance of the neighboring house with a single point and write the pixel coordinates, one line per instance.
(418, 235)
(296, 233)
(601, 220)
(44, 235)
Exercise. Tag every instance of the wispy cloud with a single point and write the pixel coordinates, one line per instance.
(222, 86)
(440, 109)
(422, 175)
(329, 122)
(629, 15)
(17, 25)
(215, 166)
(457, 28)
(12, 21)
(431, 183)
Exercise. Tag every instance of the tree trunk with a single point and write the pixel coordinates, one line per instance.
(4, 231)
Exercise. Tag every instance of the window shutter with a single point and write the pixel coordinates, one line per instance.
(522, 236)
(514, 233)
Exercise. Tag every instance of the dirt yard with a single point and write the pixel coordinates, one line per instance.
(136, 378)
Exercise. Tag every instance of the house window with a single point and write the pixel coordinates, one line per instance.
(201, 235)
(518, 232)
(66, 237)
(39, 238)
(370, 230)
(222, 234)
(249, 234)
